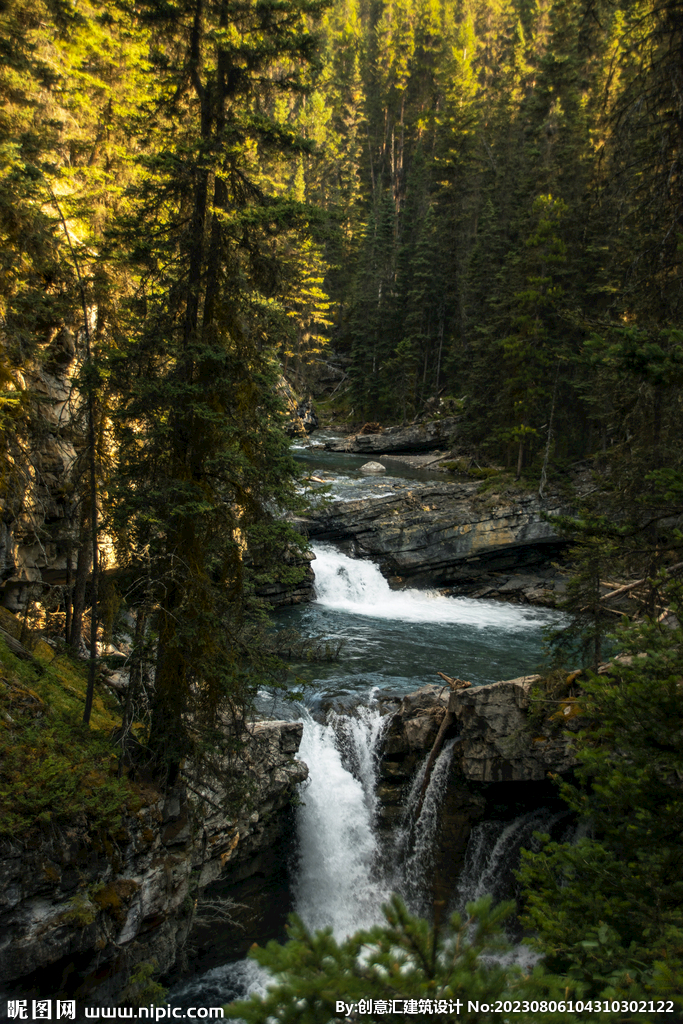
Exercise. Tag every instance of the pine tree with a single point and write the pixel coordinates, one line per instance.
(405, 963)
(608, 911)
(204, 473)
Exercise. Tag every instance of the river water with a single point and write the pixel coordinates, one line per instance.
(392, 642)
(397, 640)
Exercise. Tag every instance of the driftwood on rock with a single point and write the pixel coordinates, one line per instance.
(454, 684)
(638, 583)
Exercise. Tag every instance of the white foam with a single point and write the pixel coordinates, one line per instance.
(357, 586)
(337, 884)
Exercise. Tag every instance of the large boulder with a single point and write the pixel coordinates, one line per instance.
(499, 742)
(414, 725)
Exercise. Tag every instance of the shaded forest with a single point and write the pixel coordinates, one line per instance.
(506, 180)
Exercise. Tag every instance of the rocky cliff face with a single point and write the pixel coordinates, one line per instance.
(501, 761)
(499, 742)
(499, 739)
(446, 533)
(78, 913)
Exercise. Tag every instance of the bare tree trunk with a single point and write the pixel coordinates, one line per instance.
(520, 459)
(68, 590)
(134, 682)
(82, 572)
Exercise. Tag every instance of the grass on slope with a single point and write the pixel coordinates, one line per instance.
(53, 769)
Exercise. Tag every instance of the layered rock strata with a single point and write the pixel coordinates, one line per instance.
(79, 912)
(447, 534)
(419, 437)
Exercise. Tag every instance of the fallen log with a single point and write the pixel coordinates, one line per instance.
(436, 749)
(448, 718)
(19, 651)
(638, 583)
(455, 684)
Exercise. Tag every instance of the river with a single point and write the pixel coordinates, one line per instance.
(391, 643)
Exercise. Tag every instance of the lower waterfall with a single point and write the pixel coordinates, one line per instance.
(348, 860)
(338, 881)
(493, 854)
(413, 843)
(343, 872)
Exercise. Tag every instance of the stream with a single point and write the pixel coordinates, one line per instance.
(390, 643)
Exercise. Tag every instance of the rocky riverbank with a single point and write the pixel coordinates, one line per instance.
(373, 439)
(448, 534)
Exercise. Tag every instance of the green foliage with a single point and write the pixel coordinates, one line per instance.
(52, 769)
(142, 989)
(81, 911)
(404, 959)
(608, 912)
(597, 545)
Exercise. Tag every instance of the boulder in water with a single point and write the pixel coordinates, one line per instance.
(373, 467)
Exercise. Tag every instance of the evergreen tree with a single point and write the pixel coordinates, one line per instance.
(204, 473)
(608, 911)
(405, 960)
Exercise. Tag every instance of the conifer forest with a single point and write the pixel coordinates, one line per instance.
(466, 209)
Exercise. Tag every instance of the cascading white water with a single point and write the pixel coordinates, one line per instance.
(357, 586)
(338, 883)
(342, 876)
(359, 739)
(414, 840)
(493, 851)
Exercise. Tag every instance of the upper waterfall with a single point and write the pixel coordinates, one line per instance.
(357, 586)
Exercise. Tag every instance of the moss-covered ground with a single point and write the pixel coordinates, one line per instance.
(54, 770)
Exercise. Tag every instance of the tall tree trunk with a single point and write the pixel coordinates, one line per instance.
(68, 594)
(82, 571)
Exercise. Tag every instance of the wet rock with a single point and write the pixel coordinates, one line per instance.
(498, 742)
(373, 467)
(416, 723)
(418, 437)
(497, 739)
(308, 416)
(447, 534)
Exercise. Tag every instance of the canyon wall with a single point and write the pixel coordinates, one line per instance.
(79, 912)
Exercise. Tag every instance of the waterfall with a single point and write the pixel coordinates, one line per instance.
(357, 586)
(358, 737)
(346, 867)
(493, 854)
(414, 842)
(339, 882)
